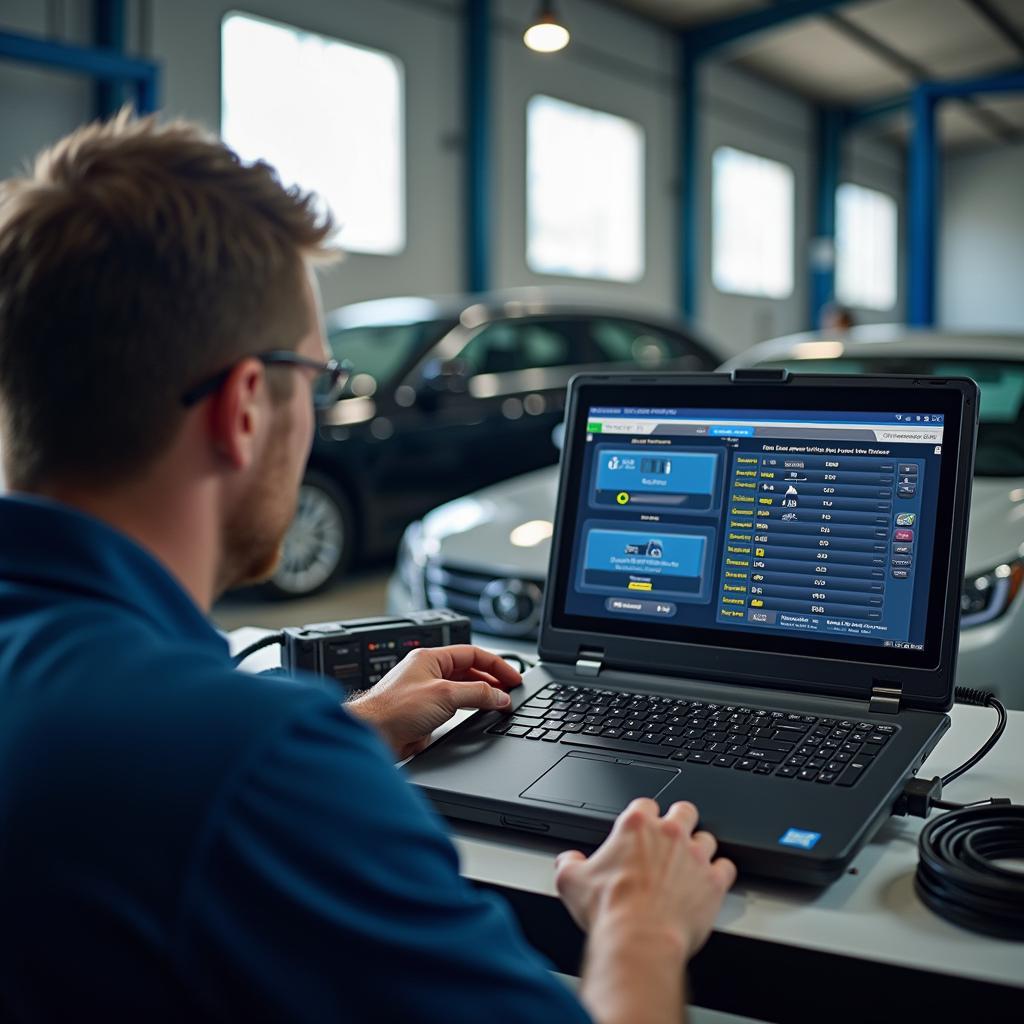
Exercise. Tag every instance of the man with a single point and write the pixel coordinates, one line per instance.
(179, 840)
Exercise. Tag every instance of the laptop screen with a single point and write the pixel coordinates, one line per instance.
(754, 526)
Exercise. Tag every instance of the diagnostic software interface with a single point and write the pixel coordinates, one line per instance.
(812, 522)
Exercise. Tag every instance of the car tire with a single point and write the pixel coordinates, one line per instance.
(319, 543)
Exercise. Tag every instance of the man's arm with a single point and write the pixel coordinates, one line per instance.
(326, 889)
(647, 899)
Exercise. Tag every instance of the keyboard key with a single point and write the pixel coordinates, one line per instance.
(604, 743)
(807, 774)
(887, 729)
(695, 744)
(766, 756)
(573, 727)
(870, 750)
(826, 778)
(700, 757)
(592, 730)
(744, 764)
(535, 734)
(763, 768)
(516, 730)
(817, 762)
(854, 770)
(762, 744)
(552, 736)
(500, 729)
(672, 741)
(612, 734)
(787, 771)
(877, 737)
(723, 761)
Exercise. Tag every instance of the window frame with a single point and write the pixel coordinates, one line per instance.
(716, 240)
(401, 197)
(638, 203)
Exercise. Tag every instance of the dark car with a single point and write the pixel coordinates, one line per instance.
(448, 396)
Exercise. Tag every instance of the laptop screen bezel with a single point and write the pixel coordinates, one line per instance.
(821, 666)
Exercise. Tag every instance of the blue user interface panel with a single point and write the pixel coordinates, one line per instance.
(818, 523)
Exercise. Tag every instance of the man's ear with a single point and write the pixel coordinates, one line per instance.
(236, 413)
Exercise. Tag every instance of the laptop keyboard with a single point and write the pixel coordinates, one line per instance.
(827, 751)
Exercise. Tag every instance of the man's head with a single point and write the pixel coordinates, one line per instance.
(137, 261)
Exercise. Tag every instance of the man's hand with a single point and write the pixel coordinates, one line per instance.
(648, 898)
(427, 687)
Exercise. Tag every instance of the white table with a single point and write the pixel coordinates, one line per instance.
(865, 949)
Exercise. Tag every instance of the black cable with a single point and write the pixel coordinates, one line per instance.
(979, 698)
(524, 663)
(266, 641)
(958, 874)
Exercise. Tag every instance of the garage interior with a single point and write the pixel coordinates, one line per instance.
(833, 186)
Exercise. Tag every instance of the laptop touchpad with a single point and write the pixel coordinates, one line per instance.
(599, 783)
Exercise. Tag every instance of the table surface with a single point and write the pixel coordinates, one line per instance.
(871, 912)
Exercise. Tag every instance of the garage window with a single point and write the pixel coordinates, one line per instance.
(752, 224)
(584, 192)
(328, 115)
(865, 247)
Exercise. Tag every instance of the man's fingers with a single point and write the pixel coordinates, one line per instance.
(706, 842)
(684, 814)
(484, 677)
(477, 695)
(567, 857)
(725, 871)
(457, 662)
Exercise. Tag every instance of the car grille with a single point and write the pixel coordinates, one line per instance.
(500, 605)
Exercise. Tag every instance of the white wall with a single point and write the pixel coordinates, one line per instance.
(982, 242)
(617, 62)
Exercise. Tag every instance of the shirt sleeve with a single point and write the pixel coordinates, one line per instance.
(325, 889)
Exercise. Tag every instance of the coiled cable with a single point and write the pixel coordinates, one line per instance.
(958, 874)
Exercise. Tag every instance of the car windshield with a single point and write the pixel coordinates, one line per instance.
(380, 350)
(1001, 427)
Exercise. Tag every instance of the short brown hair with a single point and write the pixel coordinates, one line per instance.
(136, 259)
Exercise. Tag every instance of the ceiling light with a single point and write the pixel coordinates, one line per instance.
(547, 34)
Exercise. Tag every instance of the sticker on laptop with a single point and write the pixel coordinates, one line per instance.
(800, 838)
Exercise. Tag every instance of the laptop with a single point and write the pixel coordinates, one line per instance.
(753, 603)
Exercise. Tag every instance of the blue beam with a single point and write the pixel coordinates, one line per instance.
(1010, 81)
(108, 34)
(923, 202)
(477, 71)
(831, 125)
(689, 172)
(879, 109)
(80, 60)
(708, 38)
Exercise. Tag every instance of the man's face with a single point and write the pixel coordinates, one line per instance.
(256, 527)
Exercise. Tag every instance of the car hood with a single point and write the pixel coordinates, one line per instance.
(476, 531)
(996, 532)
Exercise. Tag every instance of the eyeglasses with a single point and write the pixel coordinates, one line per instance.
(328, 384)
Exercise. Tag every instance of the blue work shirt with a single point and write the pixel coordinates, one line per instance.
(179, 840)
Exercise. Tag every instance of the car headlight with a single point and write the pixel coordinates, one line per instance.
(988, 595)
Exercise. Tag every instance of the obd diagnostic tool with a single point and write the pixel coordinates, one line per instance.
(359, 652)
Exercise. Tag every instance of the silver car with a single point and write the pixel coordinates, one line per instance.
(486, 554)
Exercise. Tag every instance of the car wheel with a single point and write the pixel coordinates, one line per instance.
(319, 542)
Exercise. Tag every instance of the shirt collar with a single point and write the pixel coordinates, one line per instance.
(55, 546)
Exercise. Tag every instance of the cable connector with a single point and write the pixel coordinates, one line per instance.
(918, 797)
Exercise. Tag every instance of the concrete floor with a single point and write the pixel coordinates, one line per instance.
(360, 595)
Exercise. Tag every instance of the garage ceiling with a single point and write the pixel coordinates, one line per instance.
(868, 50)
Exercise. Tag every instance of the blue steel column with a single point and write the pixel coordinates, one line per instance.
(923, 202)
(689, 170)
(108, 34)
(478, 94)
(831, 124)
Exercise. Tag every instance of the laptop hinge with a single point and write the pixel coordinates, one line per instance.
(589, 662)
(885, 700)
